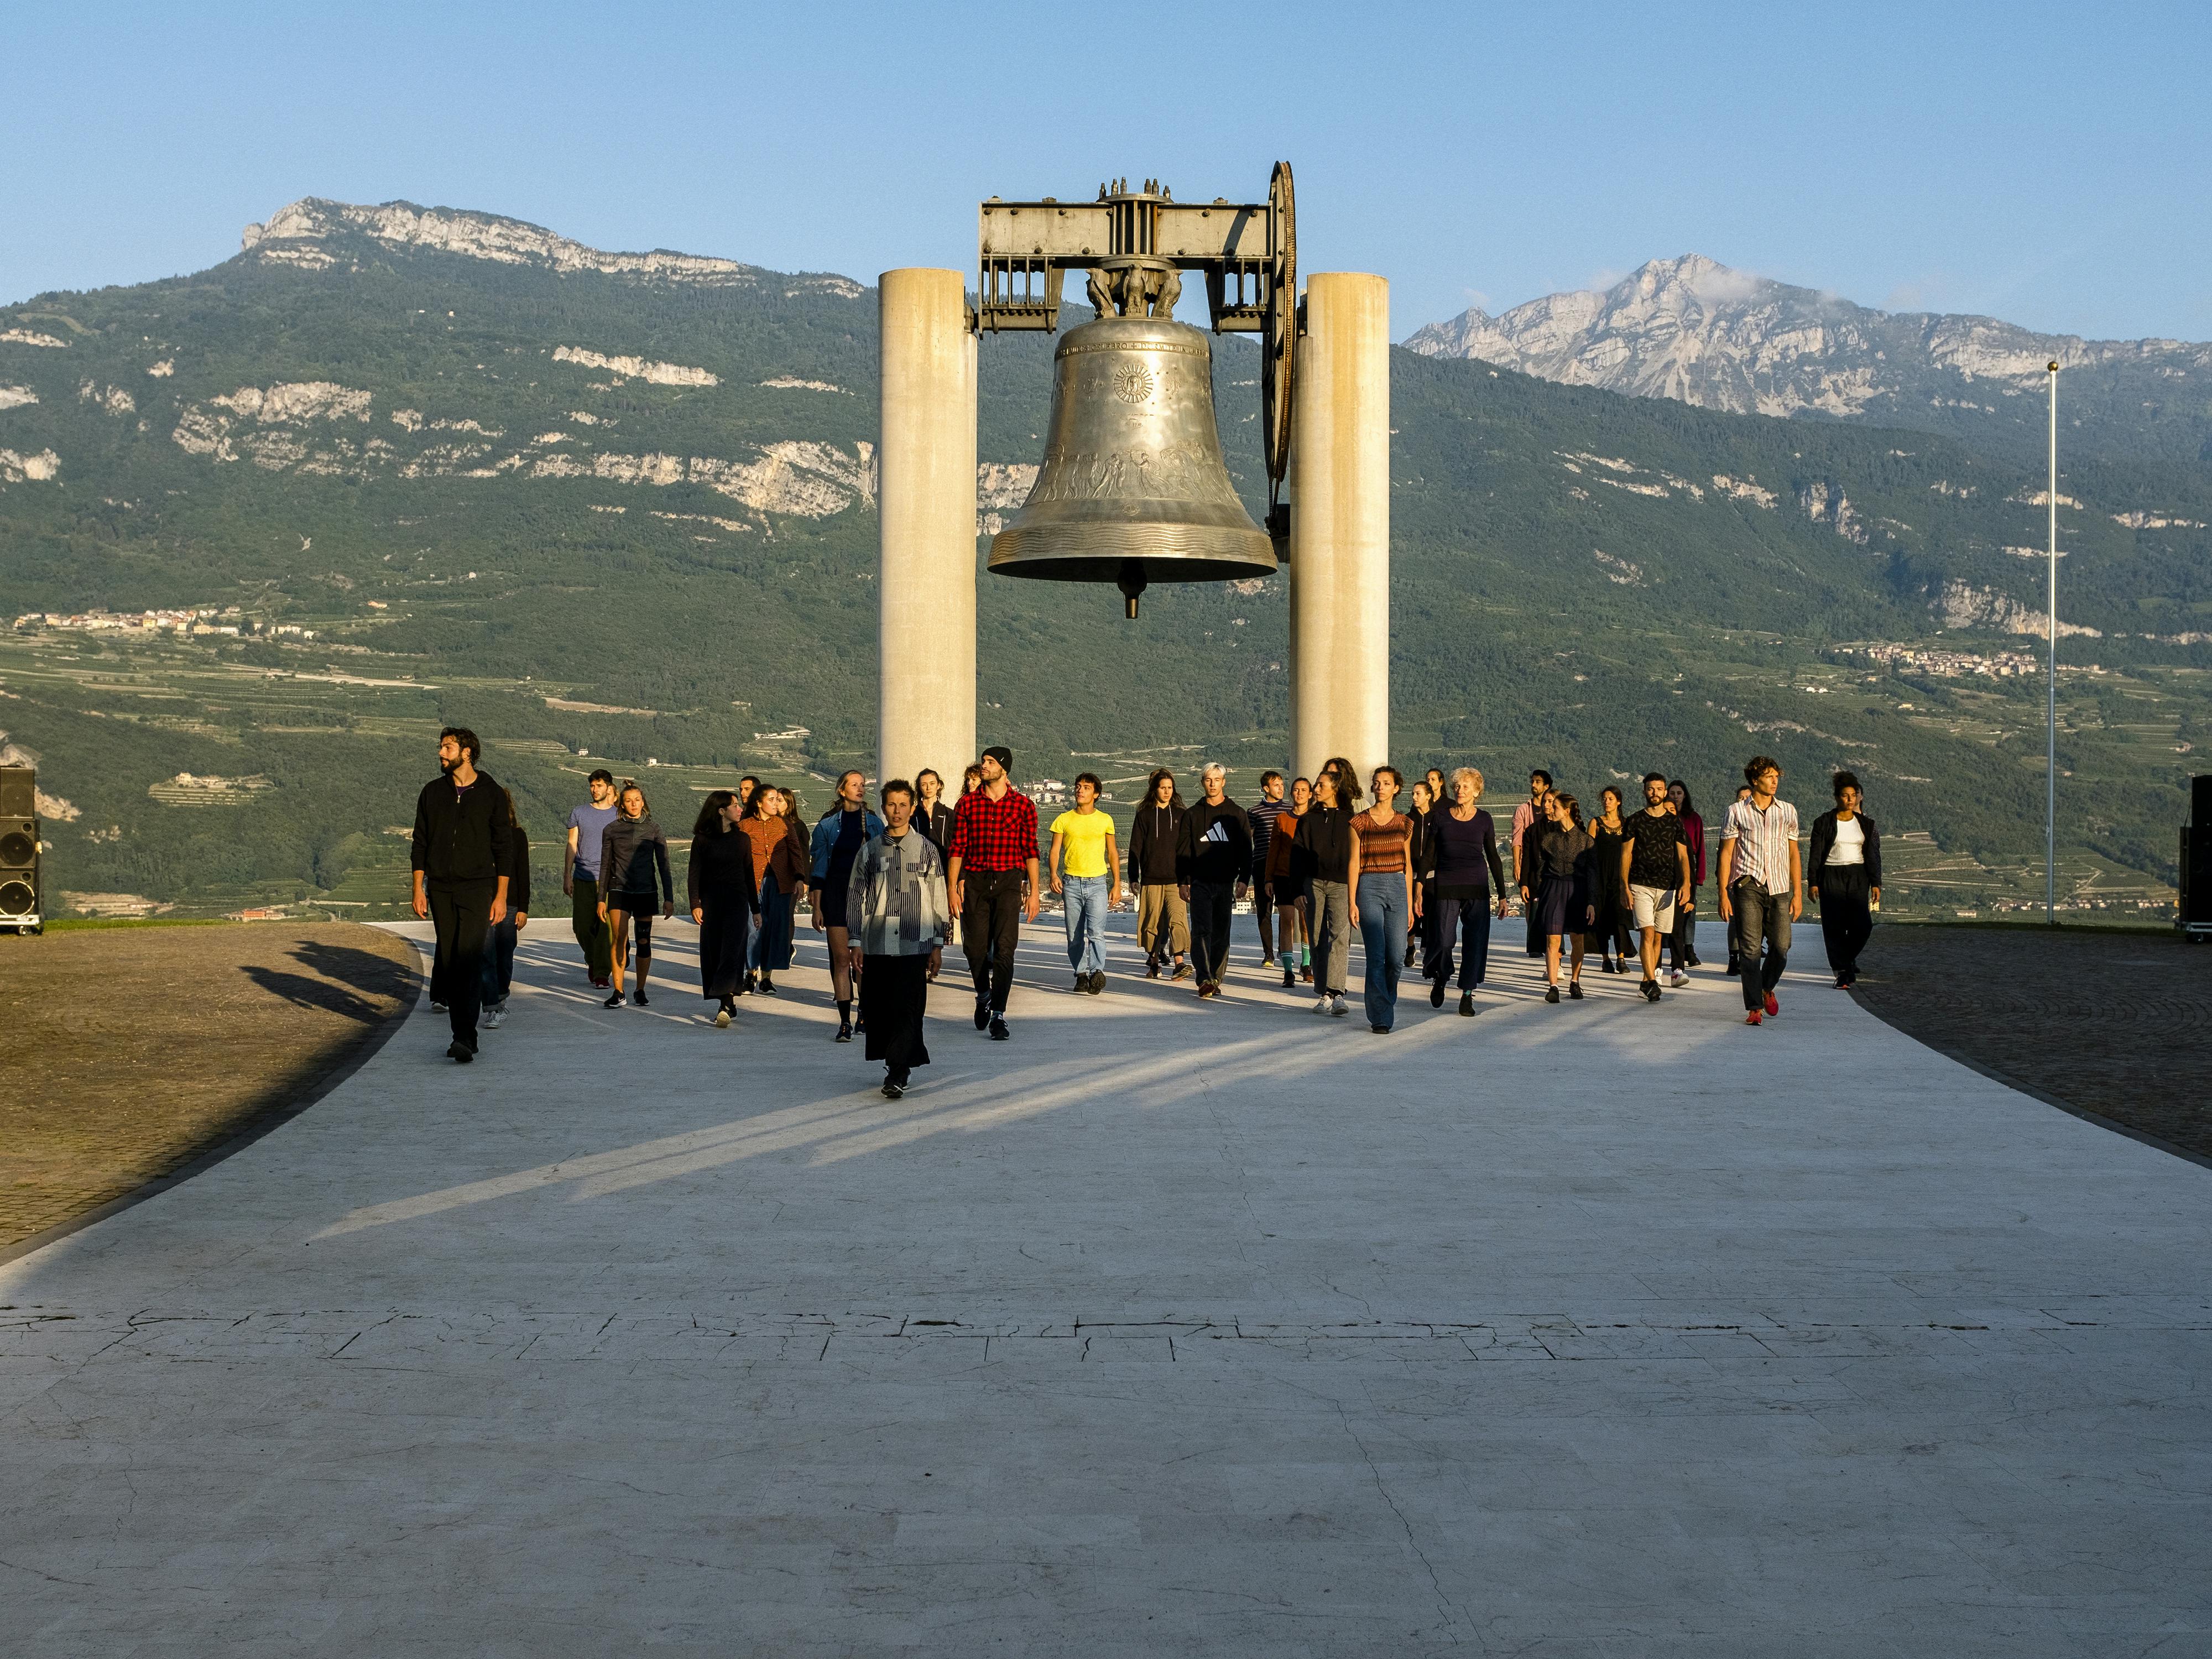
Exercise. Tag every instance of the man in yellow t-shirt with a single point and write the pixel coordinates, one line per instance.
(1087, 874)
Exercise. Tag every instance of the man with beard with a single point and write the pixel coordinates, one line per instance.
(995, 851)
(461, 845)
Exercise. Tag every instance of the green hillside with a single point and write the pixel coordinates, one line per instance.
(446, 468)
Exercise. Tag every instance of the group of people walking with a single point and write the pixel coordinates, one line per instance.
(893, 884)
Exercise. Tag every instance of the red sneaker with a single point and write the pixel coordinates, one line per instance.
(1773, 1007)
(1752, 1017)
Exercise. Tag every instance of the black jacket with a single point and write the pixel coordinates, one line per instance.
(1153, 832)
(518, 863)
(633, 859)
(462, 835)
(721, 870)
(936, 824)
(1214, 845)
(1824, 838)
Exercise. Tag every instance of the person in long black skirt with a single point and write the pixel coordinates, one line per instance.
(723, 899)
(898, 918)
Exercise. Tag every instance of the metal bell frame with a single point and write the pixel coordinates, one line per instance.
(1134, 486)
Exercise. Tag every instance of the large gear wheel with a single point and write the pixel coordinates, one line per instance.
(1280, 339)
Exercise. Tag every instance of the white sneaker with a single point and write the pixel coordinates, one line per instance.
(1680, 979)
(1339, 1007)
(1321, 1005)
(495, 1017)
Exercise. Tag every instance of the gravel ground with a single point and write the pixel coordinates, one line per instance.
(2116, 1025)
(129, 1052)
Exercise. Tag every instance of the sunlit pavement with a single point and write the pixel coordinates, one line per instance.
(1164, 1328)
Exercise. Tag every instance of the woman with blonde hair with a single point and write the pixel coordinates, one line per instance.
(1463, 871)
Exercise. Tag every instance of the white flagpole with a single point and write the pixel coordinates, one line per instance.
(2051, 746)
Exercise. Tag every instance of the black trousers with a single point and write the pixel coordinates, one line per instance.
(1466, 920)
(1846, 923)
(1535, 921)
(1682, 942)
(1211, 908)
(894, 995)
(990, 928)
(725, 921)
(460, 911)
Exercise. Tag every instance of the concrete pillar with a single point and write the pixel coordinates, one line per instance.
(926, 497)
(1340, 525)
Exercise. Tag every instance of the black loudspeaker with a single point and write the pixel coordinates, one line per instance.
(19, 848)
(2195, 862)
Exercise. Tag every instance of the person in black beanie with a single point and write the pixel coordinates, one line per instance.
(461, 849)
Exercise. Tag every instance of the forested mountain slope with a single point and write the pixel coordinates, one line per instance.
(626, 503)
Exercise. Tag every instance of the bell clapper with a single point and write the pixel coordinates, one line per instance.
(1131, 582)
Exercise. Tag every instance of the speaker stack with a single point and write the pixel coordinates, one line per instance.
(2194, 916)
(19, 850)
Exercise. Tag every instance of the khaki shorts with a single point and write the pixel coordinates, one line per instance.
(1654, 907)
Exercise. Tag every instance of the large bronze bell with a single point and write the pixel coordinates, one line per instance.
(1132, 489)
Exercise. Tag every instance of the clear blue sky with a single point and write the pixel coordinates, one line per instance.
(2050, 165)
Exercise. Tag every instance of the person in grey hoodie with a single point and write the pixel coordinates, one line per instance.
(633, 870)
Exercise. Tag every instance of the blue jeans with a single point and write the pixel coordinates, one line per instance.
(1084, 897)
(1382, 918)
(499, 962)
(768, 947)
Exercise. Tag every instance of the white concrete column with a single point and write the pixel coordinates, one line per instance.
(1340, 525)
(926, 496)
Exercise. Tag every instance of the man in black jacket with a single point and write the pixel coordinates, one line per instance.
(1213, 865)
(1843, 866)
(462, 848)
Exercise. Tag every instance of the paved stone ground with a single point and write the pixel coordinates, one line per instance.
(1165, 1329)
(2119, 1024)
(130, 1051)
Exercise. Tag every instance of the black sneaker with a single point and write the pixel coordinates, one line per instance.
(1467, 1003)
(894, 1086)
(1436, 993)
(1097, 981)
(767, 985)
(638, 997)
(1082, 984)
(1290, 977)
(1651, 990)
(1550, 994)
(983, 1012)
(1575, 989)
(998, 1031)
(459, 1051)
(614, 1001)
(844, 1031)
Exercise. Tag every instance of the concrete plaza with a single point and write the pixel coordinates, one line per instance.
(1163, 1329)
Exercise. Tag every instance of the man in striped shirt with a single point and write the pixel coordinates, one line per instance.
(1762, 885)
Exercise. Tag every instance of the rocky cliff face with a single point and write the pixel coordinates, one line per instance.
(310, 234)
(1694, 330)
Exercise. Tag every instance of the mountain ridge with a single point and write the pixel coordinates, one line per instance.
(1698, 331)
(474, 472)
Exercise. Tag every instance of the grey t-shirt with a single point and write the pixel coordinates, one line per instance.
(590, 823)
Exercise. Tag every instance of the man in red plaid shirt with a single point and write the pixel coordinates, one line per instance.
(995, 847)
